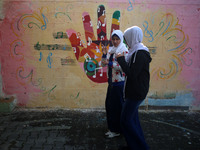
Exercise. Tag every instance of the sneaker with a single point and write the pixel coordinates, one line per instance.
(108, 133)
(113, 134)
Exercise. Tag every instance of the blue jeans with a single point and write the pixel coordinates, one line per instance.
(131, 127)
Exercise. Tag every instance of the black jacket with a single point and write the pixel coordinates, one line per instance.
(137, 74)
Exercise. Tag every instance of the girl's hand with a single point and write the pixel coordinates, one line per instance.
(104, 49)
(119, 55)
(105, 62)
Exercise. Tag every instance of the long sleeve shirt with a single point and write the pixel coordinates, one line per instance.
(117, 74)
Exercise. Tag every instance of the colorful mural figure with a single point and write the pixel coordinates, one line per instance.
(89, 54)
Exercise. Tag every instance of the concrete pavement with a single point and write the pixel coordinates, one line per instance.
(60, 129)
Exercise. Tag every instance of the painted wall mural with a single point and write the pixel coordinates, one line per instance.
(51, 51)
(89, 53)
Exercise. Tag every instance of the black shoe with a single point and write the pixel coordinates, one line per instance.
(124, 148)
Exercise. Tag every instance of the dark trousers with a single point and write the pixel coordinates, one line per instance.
(113, 104)
(131, 127)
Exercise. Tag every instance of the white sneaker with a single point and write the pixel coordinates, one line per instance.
(108, 133)
(113, 134)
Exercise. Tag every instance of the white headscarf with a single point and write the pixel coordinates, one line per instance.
(121, 47)
(134, 37)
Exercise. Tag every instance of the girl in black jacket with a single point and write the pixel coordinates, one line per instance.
(136, 68)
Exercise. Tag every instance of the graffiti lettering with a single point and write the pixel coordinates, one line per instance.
(13, 47)
(162, 25)
(152, 50)
(37, 19)
(131, 6)
(185, 56)
(67, 61)
(40, 59)
(147, 33)
(79, 101)
(50, 96)
(49, 60)
(23, 80)
(39, 46)
(60, 35)
(168, 29)
(66, 13)
(75, 97)
(45, 20)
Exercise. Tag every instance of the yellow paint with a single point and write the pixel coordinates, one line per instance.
(115, 21)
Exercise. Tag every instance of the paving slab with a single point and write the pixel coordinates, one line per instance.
(62, 129)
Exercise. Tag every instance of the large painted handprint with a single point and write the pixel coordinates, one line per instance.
(89, 54)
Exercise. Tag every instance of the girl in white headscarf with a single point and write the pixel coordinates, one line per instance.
(116, 77)
(136, 68)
